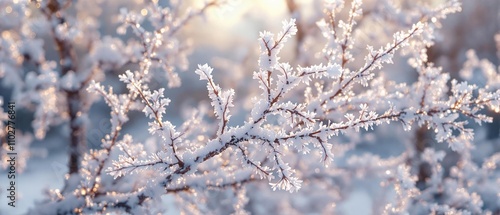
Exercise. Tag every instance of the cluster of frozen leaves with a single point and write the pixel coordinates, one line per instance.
(288, 140)
(51, 51)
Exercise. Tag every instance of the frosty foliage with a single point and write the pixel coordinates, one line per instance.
(305, 116)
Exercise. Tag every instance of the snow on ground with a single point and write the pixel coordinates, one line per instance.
(41, 173)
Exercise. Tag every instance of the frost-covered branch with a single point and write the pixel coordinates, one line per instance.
(312, 128)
